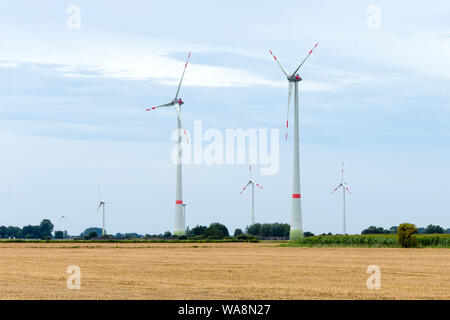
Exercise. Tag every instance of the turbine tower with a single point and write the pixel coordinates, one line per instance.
(344, 188)
(62, 219)
(252, 182)
(296, 231)
(102, 205)
(184, 213)
(179, 227)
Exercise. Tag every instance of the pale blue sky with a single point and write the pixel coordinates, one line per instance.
(72, 110)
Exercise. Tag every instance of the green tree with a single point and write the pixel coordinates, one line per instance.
(254, 229)
(434, 229)
(405, 235)
(308, 234)
(393, 229)
(13, 232)
(3, 232)
(375, 230)
(45, 229)
(59, 235)
(238, 232)
(167, 234)
(31, 232)
(87, 231)
(266, 230)
(217, 231)
(92, 235)
(197, 231)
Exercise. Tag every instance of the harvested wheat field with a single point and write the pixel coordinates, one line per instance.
(219, 271)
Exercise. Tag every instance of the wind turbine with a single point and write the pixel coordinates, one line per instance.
(296, 231)
(344, 188)
(62, 219)
(179, 227)
(101, 204)
(252, 182)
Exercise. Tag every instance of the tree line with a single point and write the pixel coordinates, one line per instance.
(430, 229)
(214, 231)
(42, 231)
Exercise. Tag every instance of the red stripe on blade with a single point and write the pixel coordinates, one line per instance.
(296, 195)
(178, 201)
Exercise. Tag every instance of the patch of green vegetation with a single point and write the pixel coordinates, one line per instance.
(371, 241)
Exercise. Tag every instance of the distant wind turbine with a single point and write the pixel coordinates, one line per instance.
(62, 220)
(180, 227)
(296, 231)
(101, 205)
(252, 182)
(344, 188)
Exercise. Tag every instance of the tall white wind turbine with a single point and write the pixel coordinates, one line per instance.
(296, 231)
(179, 227)
(101, 204)
(253, 183)
(344, 188)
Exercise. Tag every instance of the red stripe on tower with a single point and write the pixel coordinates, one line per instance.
(296, 195)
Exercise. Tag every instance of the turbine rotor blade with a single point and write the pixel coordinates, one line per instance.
(245, 188)
(99, 191)
(160, 106)
(181, 120)
(305, 59)
(182, 76)
(335, 189)
(346, 188)
(98, 208)
(279, 63)
(257, 184)
(291, 84)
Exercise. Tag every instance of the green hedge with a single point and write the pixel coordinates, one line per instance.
(375, 240)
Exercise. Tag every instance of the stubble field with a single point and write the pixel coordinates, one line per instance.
(219, 271)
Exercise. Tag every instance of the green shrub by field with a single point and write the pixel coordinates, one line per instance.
(405, 235)
(373, 240)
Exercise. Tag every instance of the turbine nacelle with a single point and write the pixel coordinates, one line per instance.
(294, 78)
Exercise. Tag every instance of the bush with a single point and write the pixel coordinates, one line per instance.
(59, 235)
(216, 231)
(196, 231)
(238, 232)
(405, 235)
(247, 237)
(167, 234)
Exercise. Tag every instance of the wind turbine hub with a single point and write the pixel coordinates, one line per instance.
(294, 78)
